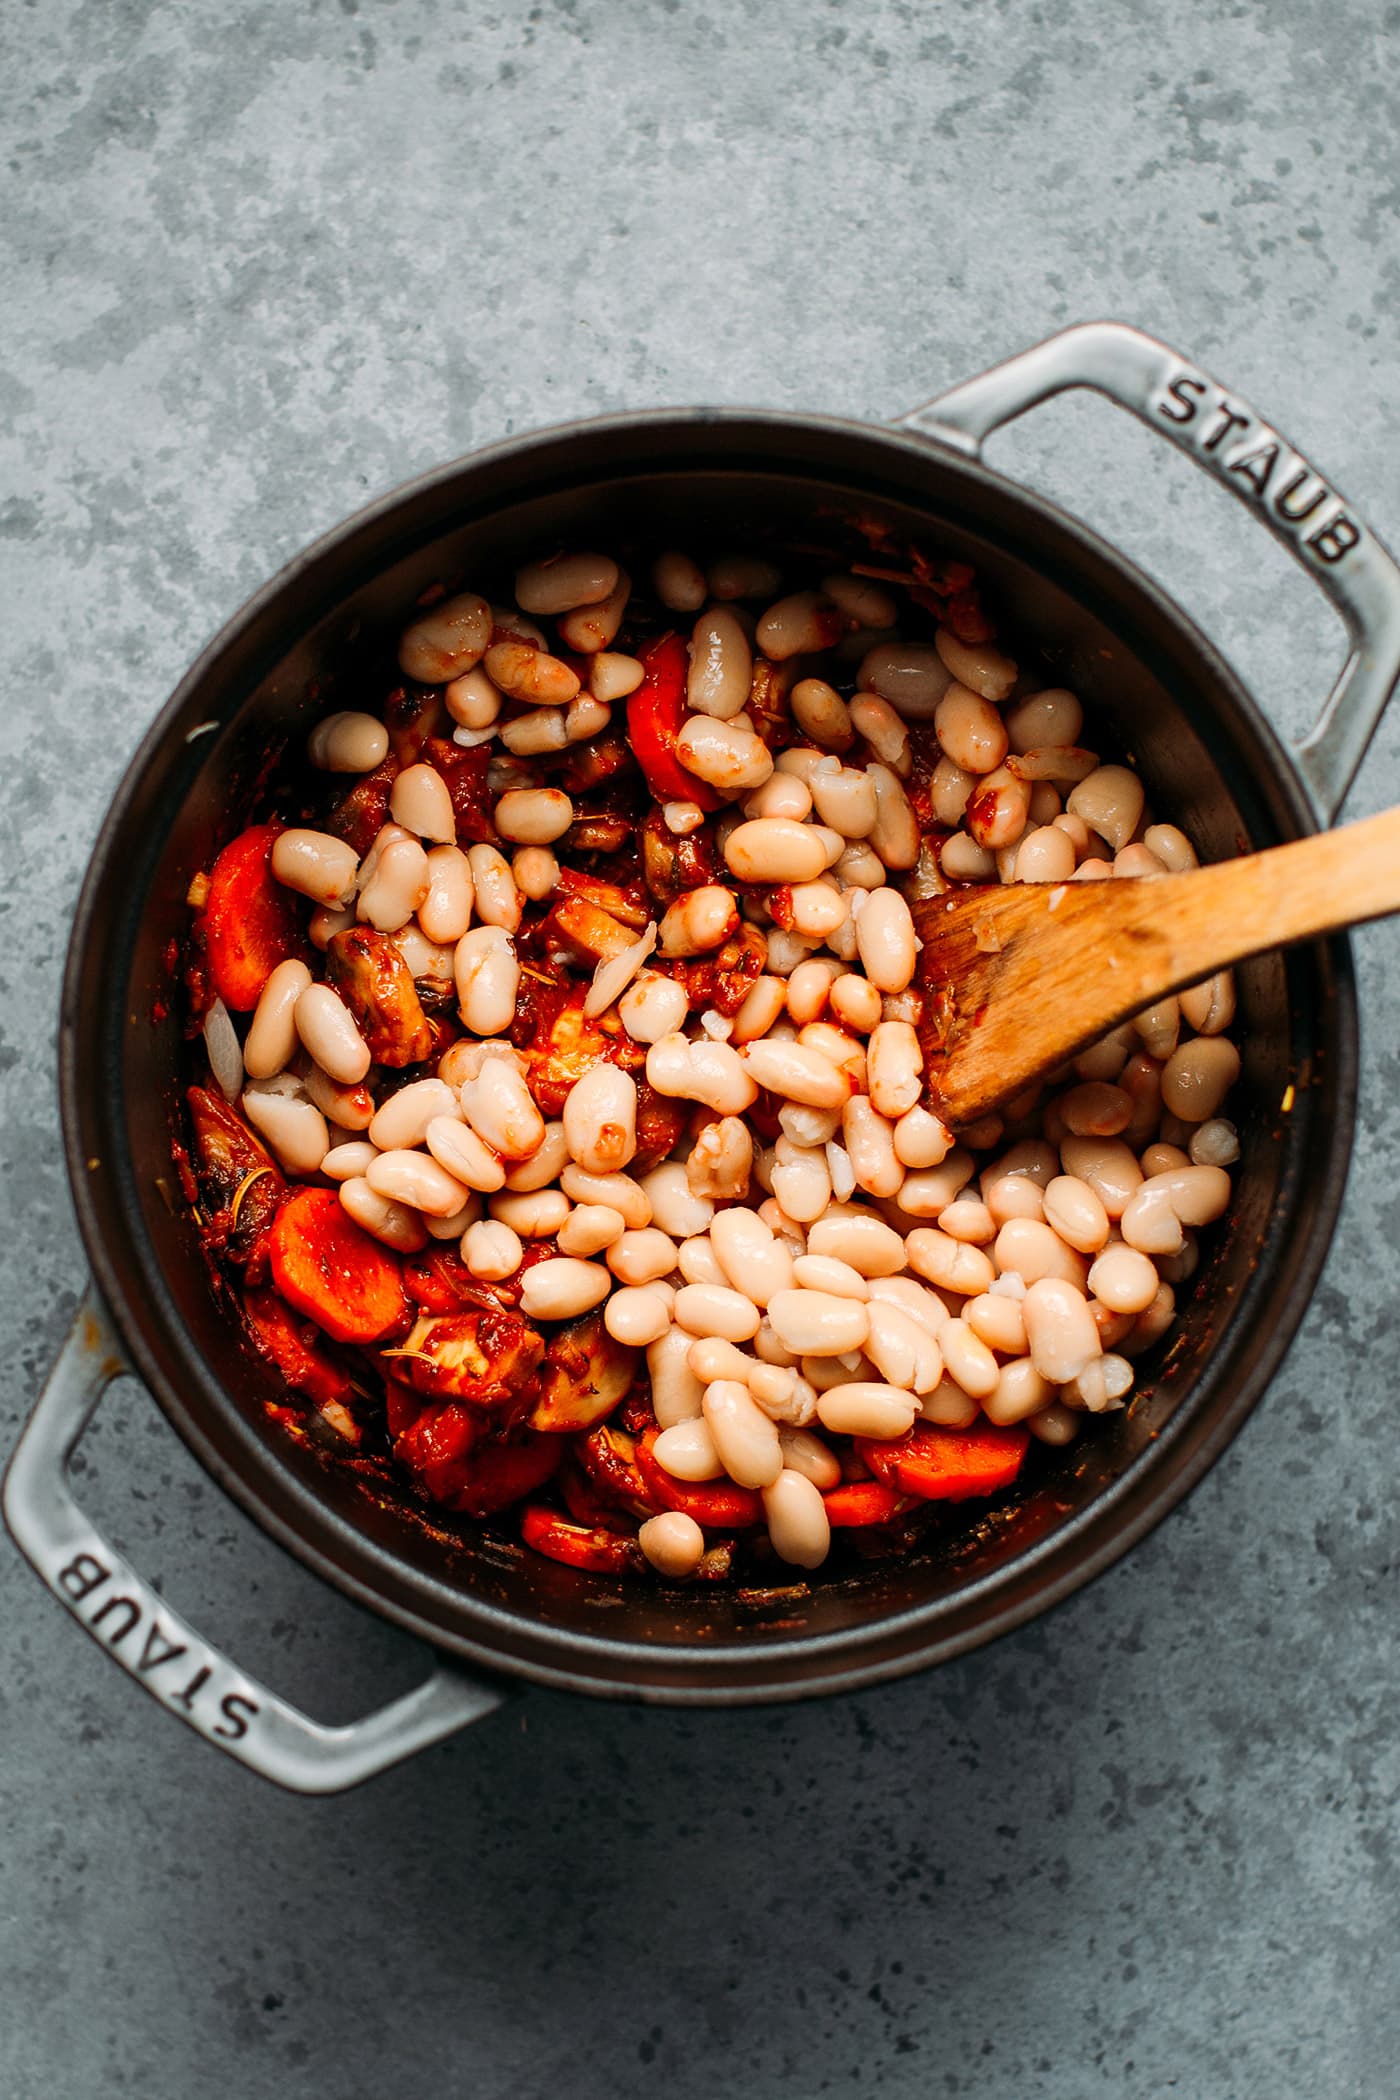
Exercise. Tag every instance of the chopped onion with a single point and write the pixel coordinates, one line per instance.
(225, 1052)
(615, 973)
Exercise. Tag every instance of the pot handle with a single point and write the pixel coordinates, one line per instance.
(1219, 430)
(161, 1650)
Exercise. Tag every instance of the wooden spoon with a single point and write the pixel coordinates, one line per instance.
(1019, 978)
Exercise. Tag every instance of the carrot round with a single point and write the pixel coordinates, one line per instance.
(249, 921)
(862, 1502)
(950, 1465)
(325, 1266)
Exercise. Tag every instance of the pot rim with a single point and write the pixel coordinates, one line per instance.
(1071, 1555)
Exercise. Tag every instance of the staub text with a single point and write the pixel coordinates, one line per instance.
(1257, 462)
(154, 1656)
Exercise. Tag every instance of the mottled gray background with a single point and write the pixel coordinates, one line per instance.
(260, 261)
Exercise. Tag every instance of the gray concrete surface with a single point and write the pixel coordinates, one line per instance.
(260, 261)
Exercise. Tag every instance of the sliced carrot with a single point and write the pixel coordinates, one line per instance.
(295, 1348)
(599, 1552)
(881, 1454)
(325, 1266)
(250, 921)
(862, 1502)
(950, 1465)
(716, 1505)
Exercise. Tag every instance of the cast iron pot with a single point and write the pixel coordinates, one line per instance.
(700, 477)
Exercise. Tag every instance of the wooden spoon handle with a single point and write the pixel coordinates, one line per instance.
(1236, 908)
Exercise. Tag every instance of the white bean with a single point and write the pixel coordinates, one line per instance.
(798, 1526)
(589, 629)
(678, 581)
(894, 1063)
(815, 1323)
(455, 1146)
(491, 1250)
(801, 1180)
(721, 1161)
(902, 1349)
(883, 730)
(501, 1109)
(562, 1288)
(488, 979)
(600, 1119)
(673, 1207)
(727, 755)
(328, 1032)
(800, 625)
(272, 1037)
(543, 730)
(294, 1127)
(977, 665)
(612, 677)
(859, 1238)
(823, 715)
(721, 665)
(446, 911)
(745, 1439)
(967, 1360)
(395, 1224)
(709, 1308)
(447, 640)
(548, 588)
(531, 675)
(774, 849)
(1110, 802)
(403, 1120)
(642, 1257)
(782, 794)
(415, 1179)
(637, 1316)
(534, 816)
(704, 1071)
(315, 864)
(700, 920)
(473, 701)
(869, 1145)
(421, 802)
(1044, 720)
(348, 743)
(895, 832)
(765, 1001)
(673, 1543)
(752, 1259)
(687, 1450)
(653, 1006)
(865, 1407)
(590, 1228)
(910, 675)
(676, 1393)
(796, 1072)
(806, 1454)
(618, 1192)
(398, 884)
(921, 1139)
(497, 899)
(1060, 1330)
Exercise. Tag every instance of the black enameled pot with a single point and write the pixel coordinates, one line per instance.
(1211, 762)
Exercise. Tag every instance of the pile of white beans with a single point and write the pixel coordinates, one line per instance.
(868, 1268)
